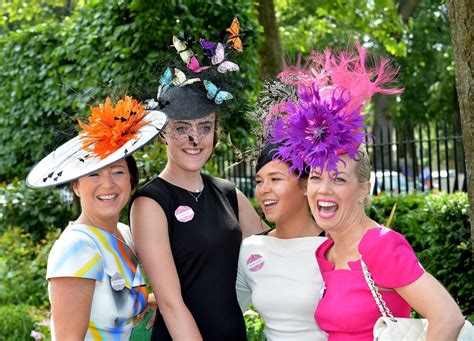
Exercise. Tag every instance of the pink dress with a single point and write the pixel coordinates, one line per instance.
(347, 310)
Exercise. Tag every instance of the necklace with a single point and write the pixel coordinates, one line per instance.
(130, 247)
(196, 197)
(89, 223)
(165, 176)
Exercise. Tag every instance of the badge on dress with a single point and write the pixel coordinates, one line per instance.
(184, 214)
(255, 262)
(117, 281)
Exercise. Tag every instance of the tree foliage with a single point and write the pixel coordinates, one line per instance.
(421, 47)
(317, 24)
(15, 14)
(104, 47)
(427, 73)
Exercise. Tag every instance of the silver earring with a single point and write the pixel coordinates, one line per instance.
(305, 194)
(361, 201)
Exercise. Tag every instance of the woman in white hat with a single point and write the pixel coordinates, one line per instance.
(96, 286)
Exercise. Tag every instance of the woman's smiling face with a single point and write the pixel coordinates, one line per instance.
(190, 142)
(104, 193)
(280, 194)
(336, 201)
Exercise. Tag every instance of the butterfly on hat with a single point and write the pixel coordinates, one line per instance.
(174, 77)
(234, 35)
(208, 46)
(187, 55)
(215, 93)
(219, 59)
(233, 40)
(171, 77)
(183, 50)
(194, 66)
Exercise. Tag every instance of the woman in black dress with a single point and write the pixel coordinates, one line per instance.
(188, 226)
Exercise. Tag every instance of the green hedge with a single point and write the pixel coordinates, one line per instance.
(23, 323)
(16, 323)
(255, 325)
(23, 267)
(36, 211)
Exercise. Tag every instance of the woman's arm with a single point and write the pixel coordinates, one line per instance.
(150, 236)
(250, 221)
(71, 302)
(429, 298)
(242, 288)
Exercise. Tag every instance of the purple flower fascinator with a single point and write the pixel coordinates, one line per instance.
(325, 119)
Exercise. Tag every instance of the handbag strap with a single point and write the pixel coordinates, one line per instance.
(376, 293)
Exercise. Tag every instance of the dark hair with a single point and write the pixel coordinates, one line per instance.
(133, 169)
(267, 154)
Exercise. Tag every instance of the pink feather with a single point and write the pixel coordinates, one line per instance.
(349, 70)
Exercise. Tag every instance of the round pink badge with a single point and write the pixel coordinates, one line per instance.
(184, 214)
(255, 262)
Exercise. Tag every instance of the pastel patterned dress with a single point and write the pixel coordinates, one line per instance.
(347, 310)
(120, 293)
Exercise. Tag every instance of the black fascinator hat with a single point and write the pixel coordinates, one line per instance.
(187, 102)
(267, 154)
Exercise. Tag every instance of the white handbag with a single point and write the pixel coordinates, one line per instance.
(389, 328)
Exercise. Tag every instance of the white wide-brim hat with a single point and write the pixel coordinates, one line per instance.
(71, 160)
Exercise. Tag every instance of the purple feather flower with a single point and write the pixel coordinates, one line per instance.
(315, 130)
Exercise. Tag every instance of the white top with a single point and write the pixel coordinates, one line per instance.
(120, 293)
(282, 280)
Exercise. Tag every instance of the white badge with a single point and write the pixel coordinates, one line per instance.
(117, 282)
(184, 214)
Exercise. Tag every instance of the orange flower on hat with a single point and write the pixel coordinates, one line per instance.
(110, 127)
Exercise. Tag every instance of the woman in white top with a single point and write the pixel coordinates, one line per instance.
(277, 272)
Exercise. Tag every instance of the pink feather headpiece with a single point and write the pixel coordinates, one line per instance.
(324, 120)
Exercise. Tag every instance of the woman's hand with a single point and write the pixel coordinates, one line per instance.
(429, 298)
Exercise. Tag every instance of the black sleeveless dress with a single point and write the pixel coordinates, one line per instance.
(205, 251)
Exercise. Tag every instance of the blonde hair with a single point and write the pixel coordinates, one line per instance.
(362, 170)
